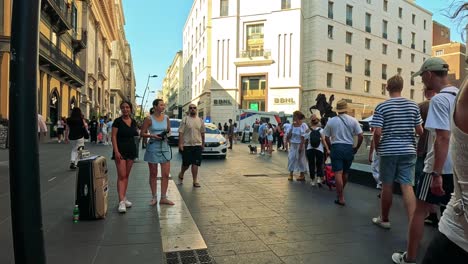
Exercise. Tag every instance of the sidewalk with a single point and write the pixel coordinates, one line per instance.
(133, 237)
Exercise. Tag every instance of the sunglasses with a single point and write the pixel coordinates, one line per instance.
(192, 108)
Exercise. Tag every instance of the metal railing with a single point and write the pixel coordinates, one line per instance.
(53, 54)
(62, 11)
(349, 68)
(349, 22)
(256, 53)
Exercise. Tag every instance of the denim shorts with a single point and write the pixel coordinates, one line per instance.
(397, 168)
(342, 156)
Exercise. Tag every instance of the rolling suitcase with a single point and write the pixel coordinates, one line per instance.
(92, 188)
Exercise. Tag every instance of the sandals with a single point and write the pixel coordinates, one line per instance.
(181, 178)
(166, 201)
(196, 185)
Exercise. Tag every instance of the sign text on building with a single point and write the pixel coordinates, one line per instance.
(284, 101)
(219, 102)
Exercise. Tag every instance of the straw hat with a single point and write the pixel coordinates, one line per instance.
(342, 106)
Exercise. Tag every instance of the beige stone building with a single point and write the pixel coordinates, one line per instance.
(5, 33)
(173, 84)
(122, 79)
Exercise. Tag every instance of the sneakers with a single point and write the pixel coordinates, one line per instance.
(400, 258)
(122, 207)
(319, 181)
(432, 220)
(72, 166)
(313, 182)
(128, 204)
(378, 221)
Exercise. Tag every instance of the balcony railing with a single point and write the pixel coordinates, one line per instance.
(256, 53)
(59, 13)
(384, 76)
(367, 72)
(56, 58)
(413, 46)
(253, 93)
(368, 29)
(400, 41)
(80, 40)
(349, 68)
(384, 35)
(349, 22)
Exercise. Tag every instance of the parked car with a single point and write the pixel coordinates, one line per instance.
(174, 135)
(215, 143)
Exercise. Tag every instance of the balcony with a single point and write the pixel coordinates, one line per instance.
(384, 35)
(412, 81)
(349, 68)
(254, 58)
(254, 94)
(52, 57)
(368, 29)
(413, 46)
(59, 13)
(349, 22)
(384, 76)
(79, 41)
(424, 50)
(367, 72)
(400, 41)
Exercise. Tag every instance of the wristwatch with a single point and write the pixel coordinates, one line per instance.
(435, 174)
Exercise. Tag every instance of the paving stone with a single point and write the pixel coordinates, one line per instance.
(251, 258)
(237, 248)
(124, 254)
(213, 239)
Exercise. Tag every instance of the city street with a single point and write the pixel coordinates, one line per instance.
(246, 212)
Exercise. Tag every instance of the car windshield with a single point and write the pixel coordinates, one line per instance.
(211, 131)
(175, 123)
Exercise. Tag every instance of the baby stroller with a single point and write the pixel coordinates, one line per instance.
(329, 175)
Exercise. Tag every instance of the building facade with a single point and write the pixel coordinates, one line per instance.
(122, 80)
(352, 47)
(242, 55)
(454, 53)
(440, 34)
(62, 60)
(5, 34)
(172, 86)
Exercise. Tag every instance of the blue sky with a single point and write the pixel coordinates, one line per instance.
(154, 31)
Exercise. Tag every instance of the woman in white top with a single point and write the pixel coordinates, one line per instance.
(297, 160)
(316, 146)
(269, 137)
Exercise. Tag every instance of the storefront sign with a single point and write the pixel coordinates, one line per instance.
(284, 101)
(220, 102)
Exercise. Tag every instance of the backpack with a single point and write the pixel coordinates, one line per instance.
(315, 138)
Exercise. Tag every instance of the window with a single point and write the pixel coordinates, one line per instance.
(385, 5)
(413, 39)
(348, 63)
(285, 4)
(369, 1)
(349, 15)
(412, 57)
(348, 81)
(412, 79)
(439, 52)
(424, 46)
(384, 48)
(349, 37)
(366, 86)
(413, 19)
(204, 25)
(384, 71)
(224, 8)
(329, 80)
(368, 22)
(367, 66)
(74, 18)
(400, 12)
(400, 33)
(330, 32)
(399, 71)
(399, 53)
(367, 43)
(424, 24)
(255, 40)
(383, 89)
(330, 9)
(329, 55)
(384, 29)
(412, 94)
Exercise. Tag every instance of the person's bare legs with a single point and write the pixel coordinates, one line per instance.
(345, 179)
(339, 186)
(195, 173)
(416, 229)
(183, 169)
(153, 179)
(386, 201)
(409, 200)
(165, 168)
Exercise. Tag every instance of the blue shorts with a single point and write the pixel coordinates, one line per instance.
(342, 156)
(397, 168)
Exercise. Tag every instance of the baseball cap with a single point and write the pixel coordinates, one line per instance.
(432, 64)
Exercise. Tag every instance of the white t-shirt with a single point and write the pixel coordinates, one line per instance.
(339, 133)
(286, 127)
(298, 132)
(320, 147)
(438, 117)
(449, 224)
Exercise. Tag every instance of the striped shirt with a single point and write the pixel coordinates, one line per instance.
(398, 118)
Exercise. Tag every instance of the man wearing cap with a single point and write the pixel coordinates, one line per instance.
(340, 132)
(394, 124)
(436, 184)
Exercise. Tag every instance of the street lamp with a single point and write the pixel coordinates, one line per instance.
(150, 92)
(144, 93)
